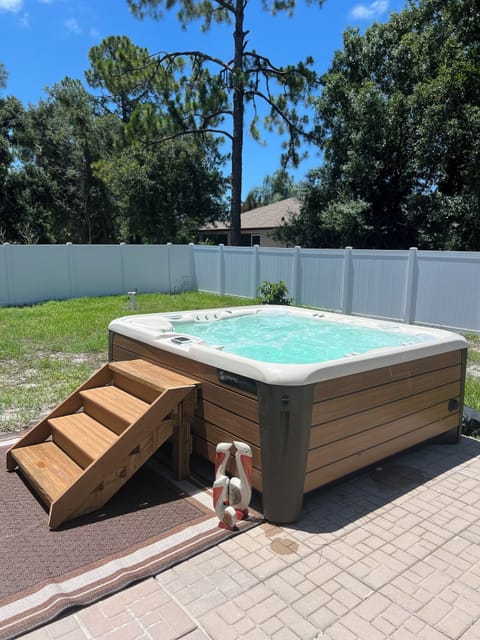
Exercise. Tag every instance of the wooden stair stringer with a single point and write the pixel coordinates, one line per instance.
(108, 473)
(41, 431)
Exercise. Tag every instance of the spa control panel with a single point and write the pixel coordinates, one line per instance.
(181, 340)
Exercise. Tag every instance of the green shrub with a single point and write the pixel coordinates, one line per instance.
(274, 293)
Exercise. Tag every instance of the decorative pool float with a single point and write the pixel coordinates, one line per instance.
(316, 395)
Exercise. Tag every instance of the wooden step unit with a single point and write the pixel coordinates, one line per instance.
(79, 455)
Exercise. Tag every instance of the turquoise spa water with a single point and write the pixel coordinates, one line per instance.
(288, 339)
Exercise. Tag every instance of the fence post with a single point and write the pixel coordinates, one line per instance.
(296, 275)
(255, 270)
(122, 267)
(69, 269)
(410, 287)
(347, 290)
(193, 273)
(8, 284)
(221, 270)
(169, 266)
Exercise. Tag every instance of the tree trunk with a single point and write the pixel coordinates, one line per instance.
(237, 142)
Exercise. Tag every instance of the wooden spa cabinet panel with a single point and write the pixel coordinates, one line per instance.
(360, 419)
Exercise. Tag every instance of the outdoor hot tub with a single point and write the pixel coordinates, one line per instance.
(317, 395)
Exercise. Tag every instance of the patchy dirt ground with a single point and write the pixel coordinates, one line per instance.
(29, 389)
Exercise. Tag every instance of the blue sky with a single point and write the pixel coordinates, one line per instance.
(42, 41)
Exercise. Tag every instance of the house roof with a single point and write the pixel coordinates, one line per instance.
(269, 217)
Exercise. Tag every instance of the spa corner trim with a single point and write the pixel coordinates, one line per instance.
(285, 418)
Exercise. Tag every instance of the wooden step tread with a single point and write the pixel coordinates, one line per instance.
(47, 468)
(81, 437)
(151, 375)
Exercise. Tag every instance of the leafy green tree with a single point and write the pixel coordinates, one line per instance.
(279, 186)
(325, 221)
(398, 120)
(11, 117)
(164, 192)
(208, 98)
(127, 75)
(62, 199)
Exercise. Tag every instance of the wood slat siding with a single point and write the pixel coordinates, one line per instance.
(360, 419)
(232, 423)
(328, 473)
(222, 413)
(214, 434)
(381, 394)
(356, 382)
(350, 425)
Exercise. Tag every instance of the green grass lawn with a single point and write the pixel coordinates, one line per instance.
(472, 383)
(47, 350)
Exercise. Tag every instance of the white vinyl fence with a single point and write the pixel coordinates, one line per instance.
(425, 287)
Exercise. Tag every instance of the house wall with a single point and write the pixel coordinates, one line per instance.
(266, 239)
(249, 238)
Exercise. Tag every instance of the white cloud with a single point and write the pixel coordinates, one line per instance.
(71, 25)
(11, 5)
(369, 11)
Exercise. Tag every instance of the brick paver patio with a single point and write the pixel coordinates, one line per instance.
(391, 553)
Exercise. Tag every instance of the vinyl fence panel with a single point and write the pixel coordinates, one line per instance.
(239, 265)
(95, 270)
(145, 268)
(275, 265)
(379, 280)
(320, 278)
(425, 287)
(448, 289)
(33, 273)
(182, 277)
(208, 267)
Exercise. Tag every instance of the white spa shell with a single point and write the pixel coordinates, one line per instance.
(156, 329)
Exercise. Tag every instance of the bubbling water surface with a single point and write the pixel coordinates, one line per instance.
(290, 339)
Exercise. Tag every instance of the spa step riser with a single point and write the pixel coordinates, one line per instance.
(112, 407)
(81, 437)
(48, 469)
(134, 388)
